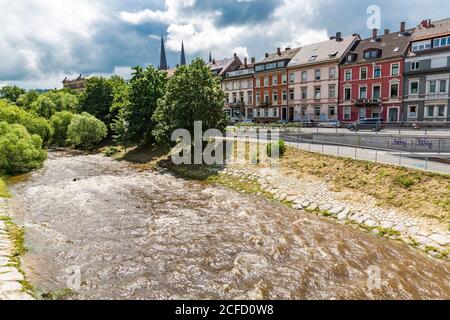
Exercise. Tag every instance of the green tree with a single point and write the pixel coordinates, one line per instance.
(86, 131)
(63, 100)
(11, 93)
(146, 87)
(34, 124)
(60, 122)
(120, 127)
(26, 100)
(192, 94)
(19, 151)
(97, 99)
(44, 107)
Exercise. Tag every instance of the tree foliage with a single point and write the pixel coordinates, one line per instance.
(19, 151)
(192, 94)
(60, 122)
(34, 124)
(86, 131)
(26, 100)
(11, 93)
(146, 87)
(97, 99)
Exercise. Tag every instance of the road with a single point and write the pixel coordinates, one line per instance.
(402, 132)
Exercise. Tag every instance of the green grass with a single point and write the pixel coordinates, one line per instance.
(3, 189)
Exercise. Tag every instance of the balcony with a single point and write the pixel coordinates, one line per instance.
(367, 102)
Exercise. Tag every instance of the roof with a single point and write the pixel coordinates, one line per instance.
(329, 50)
(286, 54)
(222, 66)
(392, 45)
(437, 29)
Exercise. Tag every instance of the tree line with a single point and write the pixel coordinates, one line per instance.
(144, 110)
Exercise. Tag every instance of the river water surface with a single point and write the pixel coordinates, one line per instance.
(136, 234)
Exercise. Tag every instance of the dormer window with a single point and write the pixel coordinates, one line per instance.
(372, 54)
(313, 58)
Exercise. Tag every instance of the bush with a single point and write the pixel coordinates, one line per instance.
(404, 181)
(34, 124)
(274, 146)
(86, 131)
(60, 122)
(20, 152)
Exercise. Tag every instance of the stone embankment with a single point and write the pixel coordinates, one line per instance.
(11, 279)
(349, 207)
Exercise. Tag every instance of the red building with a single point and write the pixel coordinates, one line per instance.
(371, 77)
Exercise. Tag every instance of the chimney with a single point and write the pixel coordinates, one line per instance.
(266, 55)
(235, 55)
(253, 60)
(279, 51)
(387, 31)
(245, 62)
(338, 36)
(214, 61)
(402, 26)
(374, 34)
(287, 49)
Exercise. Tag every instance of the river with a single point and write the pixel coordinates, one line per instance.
(137, 234)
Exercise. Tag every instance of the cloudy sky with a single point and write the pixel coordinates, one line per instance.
(42, 41)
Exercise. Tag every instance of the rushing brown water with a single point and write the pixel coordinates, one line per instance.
(144, 235)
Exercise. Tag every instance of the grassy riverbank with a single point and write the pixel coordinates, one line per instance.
(3, 190)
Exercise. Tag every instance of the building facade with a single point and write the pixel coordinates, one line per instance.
(427, 74)
(371, 77)
(314, 78)
(238, 88)
(271, 87)
(77, 84)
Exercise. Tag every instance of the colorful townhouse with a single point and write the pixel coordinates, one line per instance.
(271, 87)
(314, 78)
(427, 74)
(238, 88)
(371, 77)
(221, 67)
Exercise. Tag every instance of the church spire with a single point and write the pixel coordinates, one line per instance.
(163, 58)
(210, 57)
(183, 56)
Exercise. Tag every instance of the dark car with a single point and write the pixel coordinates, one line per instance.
(367, 124)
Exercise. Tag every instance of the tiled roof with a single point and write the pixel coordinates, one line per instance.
(437, 29)
(287, 54)
(391, 45)
(329, 50)
(222, 66)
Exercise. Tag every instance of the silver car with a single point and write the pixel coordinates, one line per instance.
(330, 124)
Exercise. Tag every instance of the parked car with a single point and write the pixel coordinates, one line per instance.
(330, 124)
(367, 124)
(247, 121)
(233, 120)
(282, 122)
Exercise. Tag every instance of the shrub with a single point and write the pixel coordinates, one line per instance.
(86, 131)
(404, 181)
(60, 122)
(20, 151)
(34, 124)
(274, 146)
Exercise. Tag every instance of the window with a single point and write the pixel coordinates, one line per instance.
(275, 96)
(376, 92)
(280, 64)
(415, 65)
(348, 94)
(395, 69)
(270, 66)
(332, 111)
(241, 97)
(250, 84)
(312, 59)
(443, 86)
(275, 112)
(347, 113)
(317, 74)
(317, 93)
(266, 113)
(249, 97)
(292, 77)
(377, 72)
(258, 82)
(292, 94)
(376, 112)
(266, 97)
(284, 96)
(284, 78)
(363, 73)
(441, 42)
(258, 98)
(234, 97)
(432, 86)
(258, 113)
(304, 76)
(412, 112)
(266, 81)
(348, 75)
(228, 98)
(430, 112)
(363, 92)
(332, 92)
(394, 90)
(259, 68)
(421, 45)
(275, 80)
(317, 112)
(414, 87)
(304, 93)
(332, 72)
(441, 111)
(372, 54)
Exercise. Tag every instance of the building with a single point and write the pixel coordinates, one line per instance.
(238, 88)
(371, 77)
(314, 78)
(427, 74)
(77, 84)
(221, 67)
(271, 87)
